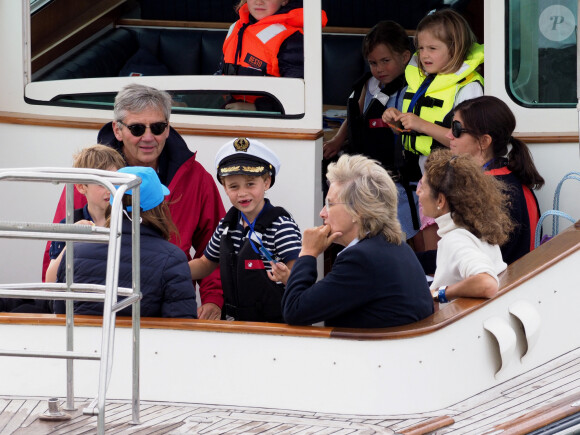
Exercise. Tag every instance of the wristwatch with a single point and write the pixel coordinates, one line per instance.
(439, 295)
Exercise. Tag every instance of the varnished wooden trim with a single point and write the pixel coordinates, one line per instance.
(428, 426)
(201, 130)
(518, 272)
(540, 417)
(564, 137)
(533, 263)
(262, 133)
(135, 22)
(166, 323)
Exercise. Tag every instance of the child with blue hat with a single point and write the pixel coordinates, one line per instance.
(252, 236)
(166, 283)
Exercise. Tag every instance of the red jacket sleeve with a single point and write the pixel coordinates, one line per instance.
(196, 208)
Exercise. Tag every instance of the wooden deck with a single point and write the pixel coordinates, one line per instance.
(520, 405)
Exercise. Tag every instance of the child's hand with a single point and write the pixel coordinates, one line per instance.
(209, 311)
(412, 122)
(391, 115)
(331, 148)
(84, 222)
(279, 273)
(239, 105)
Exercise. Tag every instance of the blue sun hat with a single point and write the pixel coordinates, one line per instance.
(152, 192)
(243, 156)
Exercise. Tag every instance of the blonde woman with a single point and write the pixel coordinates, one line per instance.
(376, 281)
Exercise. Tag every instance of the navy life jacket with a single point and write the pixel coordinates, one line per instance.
(248, 292)
(370, 136)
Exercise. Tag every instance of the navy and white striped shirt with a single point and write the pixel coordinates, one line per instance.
(282, 239)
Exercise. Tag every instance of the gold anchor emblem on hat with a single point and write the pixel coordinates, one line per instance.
(241, 144)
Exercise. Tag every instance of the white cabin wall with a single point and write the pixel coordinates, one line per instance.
(553, 160)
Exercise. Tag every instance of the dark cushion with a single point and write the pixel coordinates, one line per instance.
(358, 13)
(339, 70)
(143, 63)
(103, 58)
(189, 10)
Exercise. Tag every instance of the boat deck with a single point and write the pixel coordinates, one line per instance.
(536, 398)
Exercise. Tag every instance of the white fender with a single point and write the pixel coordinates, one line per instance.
(530, 318)
(506, 339)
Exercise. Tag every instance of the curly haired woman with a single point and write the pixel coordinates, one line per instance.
(471, 211)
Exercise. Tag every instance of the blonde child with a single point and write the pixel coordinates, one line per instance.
(97, 207)
(251, 237)
(442, 74)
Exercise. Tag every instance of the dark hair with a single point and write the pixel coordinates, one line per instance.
(490, 115)
(389, 33)
(477, 202)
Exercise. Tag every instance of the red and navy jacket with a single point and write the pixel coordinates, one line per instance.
(524, 212)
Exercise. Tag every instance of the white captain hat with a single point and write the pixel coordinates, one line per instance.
(246, 157)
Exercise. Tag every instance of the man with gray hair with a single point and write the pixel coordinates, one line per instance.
(142, 134)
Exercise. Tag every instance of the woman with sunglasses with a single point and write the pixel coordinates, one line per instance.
(483, 127)
(470, 210)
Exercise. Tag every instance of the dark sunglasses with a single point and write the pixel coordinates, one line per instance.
(138, 130)
(457, 129)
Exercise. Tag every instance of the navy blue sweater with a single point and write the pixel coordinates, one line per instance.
(373, 284)
(166, 282)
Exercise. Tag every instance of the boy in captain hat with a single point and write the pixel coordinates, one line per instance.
(253, 235)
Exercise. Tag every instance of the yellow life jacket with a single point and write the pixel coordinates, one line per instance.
(439, 98)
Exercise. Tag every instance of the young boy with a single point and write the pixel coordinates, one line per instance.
(94, 213)
(251, 236)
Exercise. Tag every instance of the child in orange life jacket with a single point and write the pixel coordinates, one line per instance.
(267, 40)
(440, 75)
(251, 237)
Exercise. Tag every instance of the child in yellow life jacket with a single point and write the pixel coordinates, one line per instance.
(267, 40)
(440, 75)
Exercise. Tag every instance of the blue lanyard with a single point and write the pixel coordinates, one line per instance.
(421, 91)
(397, 107)
(262, 249)
(489, 162)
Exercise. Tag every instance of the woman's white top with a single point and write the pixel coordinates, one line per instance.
(460, 255)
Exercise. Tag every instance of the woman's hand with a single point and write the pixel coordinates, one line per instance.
(316, 240)
(279, 273)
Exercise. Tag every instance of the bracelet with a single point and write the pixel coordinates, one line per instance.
(441, 295)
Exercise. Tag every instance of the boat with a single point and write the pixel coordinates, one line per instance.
(505, 365)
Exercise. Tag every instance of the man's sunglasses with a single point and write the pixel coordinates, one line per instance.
(457, 129)
(138, 130)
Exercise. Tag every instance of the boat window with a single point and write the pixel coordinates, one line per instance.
(541, 52)
(35, 5)
(82, 53)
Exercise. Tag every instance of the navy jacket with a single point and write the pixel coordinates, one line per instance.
(166, 282)
(373, 284)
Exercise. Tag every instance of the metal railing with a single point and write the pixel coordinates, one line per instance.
(71, 291)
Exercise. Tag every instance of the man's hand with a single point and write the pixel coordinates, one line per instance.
(209, 311)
